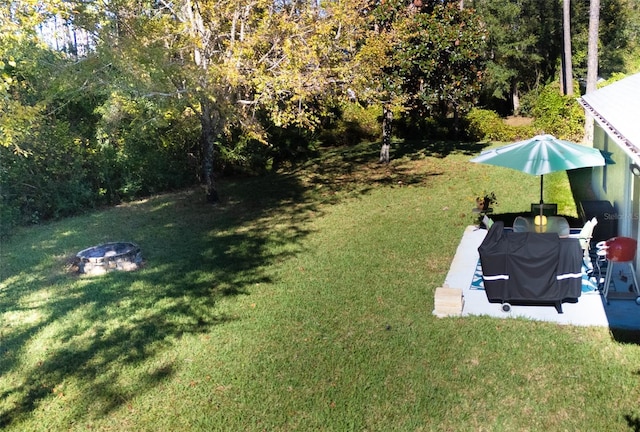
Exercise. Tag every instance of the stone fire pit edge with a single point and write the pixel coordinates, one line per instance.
(106, 257)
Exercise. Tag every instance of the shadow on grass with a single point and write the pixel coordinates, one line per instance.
(355, 169)
(633, 422)
(441, 149)
(58, 326)
(626, 336)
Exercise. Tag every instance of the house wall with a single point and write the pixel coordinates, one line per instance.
(611, 182)
(616, 184)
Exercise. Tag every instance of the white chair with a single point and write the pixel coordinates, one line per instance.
(584, 236)
(521, 224)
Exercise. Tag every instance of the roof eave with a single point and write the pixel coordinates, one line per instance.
(625, 144)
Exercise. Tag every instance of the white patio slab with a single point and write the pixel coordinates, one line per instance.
(590, 310)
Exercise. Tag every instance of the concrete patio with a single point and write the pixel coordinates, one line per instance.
(622, 312)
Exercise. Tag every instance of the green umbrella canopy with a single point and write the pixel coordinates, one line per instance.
(542, 154)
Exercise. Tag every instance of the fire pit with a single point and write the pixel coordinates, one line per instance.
(107, 257)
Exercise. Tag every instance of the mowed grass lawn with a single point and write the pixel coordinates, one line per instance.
(302, 302)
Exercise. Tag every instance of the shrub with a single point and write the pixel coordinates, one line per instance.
(413, 125)
(352, 124)
(48, 179)
(486, 125)
(9, 218)
(556, 113)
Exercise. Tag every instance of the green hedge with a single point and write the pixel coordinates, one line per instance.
(555, 113)
(352, 123)
(486, 125)
(552, 112)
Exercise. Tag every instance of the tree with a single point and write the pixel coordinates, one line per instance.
(567, 64)
(523, 45)
(373, 75)
(592, 62)
(236, 66)
(426, 57)
(440, 58)
(21, 74)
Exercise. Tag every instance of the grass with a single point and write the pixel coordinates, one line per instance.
(302, 302)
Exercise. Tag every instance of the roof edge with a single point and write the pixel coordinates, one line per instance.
(623, 142)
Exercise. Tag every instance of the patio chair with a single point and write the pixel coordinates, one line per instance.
(521, 224)
(585, 236)
(548, 209)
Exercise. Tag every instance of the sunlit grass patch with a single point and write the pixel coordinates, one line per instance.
(302, 302)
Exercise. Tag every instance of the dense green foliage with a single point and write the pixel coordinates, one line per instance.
(525, 43)
(524, 46)
(487, 125)
(549, 105)
(351, 124)
(127, 99)
(545, 107)
(59, 168)
(441, 60)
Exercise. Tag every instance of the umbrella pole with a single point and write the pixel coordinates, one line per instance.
(541, 201)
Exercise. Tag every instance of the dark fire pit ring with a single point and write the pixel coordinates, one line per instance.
(106, 257)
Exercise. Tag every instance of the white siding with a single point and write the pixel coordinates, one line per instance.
(616, 109)
(616, 184)
(608, 182)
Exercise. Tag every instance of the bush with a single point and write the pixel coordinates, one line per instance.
(412, 125)
(62, 170)
(352, 124)
(48, 179)
(9, 218)
(555, 113)
(488, 125)
(485, 125)
(142, 148)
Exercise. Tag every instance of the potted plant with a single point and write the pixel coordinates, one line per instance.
(484, 203)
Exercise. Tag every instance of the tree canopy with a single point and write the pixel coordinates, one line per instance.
(143, 96)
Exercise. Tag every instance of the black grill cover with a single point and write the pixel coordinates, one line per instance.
(530, 267)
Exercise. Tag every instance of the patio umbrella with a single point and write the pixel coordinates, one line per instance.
(542, 154)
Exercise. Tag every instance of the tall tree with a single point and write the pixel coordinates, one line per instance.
(440, 57)
(592, 62)
(231, 63)
(567, 64)
(592, 59)
(421, 56)
(523, 45)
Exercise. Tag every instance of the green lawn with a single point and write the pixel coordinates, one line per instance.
(303, 302)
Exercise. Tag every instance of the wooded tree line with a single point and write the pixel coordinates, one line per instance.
(107, 101)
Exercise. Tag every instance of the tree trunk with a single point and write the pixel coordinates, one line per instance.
(456, 121)
(209, 120)
(567, 69)
(592, 63)
(515, 98)
(592, 54)
(387, 119)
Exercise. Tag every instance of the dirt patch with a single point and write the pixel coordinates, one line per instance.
(518, 121)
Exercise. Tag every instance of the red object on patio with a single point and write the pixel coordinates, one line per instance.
(621, 249)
